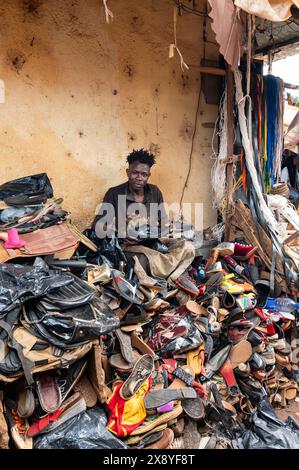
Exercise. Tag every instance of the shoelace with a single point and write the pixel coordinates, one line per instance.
(19, 421)
(62, 386)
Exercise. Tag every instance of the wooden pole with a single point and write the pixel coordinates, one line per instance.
(230, 149)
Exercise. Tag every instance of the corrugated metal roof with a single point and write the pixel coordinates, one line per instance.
(270, 35)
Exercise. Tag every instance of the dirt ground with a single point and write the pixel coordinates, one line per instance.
(291, 410)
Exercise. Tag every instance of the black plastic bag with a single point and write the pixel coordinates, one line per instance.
(28, 185)
(71, 328)
(268, 432)
(19, 283)
(85, 431)
(109, 250)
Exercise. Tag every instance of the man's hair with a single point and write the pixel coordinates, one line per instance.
(141, 156)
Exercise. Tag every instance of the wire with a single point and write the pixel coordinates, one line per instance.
(196, 118)
(182, 7)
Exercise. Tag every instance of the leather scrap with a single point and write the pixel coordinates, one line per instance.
(227, 28)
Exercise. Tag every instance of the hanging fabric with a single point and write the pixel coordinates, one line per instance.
(273, 10)
(270, 127)
(227, 28)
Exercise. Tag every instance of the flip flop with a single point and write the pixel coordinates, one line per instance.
(87, 391)
(150, 424)
(195, 358)
(118, 362)
(126, 289)
(194, 408)
(158, 398)
(124, 340)
(240, 352)
(196, 309)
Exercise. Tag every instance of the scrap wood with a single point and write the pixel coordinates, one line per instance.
(243, 219)
(81, 237)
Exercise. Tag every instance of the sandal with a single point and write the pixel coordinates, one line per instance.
(126, 289)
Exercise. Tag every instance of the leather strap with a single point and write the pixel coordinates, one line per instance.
(272, 273)
(26, 363)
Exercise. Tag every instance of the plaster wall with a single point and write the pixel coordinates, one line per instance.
(80, 94)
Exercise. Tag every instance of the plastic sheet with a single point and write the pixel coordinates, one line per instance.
(109, 250)
(13, 214)
(28, 185)
(69, 329)
(268, 432)
(19, 283)
(85, 431)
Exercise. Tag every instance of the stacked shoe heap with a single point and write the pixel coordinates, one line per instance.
(29, 203)
(190, 359)
(50, 321)
(217, 351)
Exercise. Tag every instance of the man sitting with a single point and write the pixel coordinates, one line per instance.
(135, 212)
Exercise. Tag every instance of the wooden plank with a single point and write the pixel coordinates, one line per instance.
(208, 70)
(243, 220)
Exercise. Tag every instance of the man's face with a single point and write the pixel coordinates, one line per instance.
(138, 174)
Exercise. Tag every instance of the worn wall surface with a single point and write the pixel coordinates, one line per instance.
(81, 93)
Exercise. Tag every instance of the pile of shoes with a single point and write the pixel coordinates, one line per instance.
(177, 365)
(32, 221)
(28, 203)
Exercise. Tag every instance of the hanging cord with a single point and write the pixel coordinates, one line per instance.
(240, 100)
(187, 9)
(108, 12)
(173, 47)
(248, 75)
(196, 118)
(218, 171)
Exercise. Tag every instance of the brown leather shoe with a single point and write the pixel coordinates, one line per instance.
(178, 427)
(96, 373)
(140, 345)
(166, 440)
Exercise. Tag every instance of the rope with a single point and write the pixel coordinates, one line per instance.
(218, 172)
(285, 209)
(217, 231)
(173, 47)
(108, 13)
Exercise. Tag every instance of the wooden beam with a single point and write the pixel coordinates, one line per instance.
(291, 86)
(208, 70)
(230, 149)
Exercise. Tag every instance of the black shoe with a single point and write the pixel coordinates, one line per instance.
(69, 376)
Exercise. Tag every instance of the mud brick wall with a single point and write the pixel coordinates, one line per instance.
(80, 94)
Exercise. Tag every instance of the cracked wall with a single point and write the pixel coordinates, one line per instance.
(80, 94)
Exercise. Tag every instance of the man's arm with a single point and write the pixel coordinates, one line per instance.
(163, 218)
